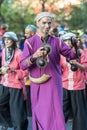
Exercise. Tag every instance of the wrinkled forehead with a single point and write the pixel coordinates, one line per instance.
(45, 19)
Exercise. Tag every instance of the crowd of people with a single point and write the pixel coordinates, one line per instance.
(43, 76)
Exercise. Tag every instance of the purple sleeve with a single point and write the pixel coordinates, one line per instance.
(67, 51)
(25, 57)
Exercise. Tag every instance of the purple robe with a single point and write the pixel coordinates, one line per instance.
(46, 98)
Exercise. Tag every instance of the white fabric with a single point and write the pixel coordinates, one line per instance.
(41, 15)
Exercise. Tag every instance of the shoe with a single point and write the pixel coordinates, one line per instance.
(4, 128)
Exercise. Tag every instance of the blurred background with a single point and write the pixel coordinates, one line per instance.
(68, 14)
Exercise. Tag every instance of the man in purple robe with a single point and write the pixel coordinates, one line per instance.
(41, 56)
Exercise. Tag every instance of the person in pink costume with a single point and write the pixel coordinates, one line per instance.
(74, 94)
(12, 91)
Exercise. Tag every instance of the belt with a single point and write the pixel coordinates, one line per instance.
(44, 78)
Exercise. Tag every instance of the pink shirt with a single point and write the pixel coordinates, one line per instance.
(85, 51)
(14, 80)
(73, 80)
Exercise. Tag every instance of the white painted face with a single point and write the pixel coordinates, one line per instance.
(44, 25)
(8, 42)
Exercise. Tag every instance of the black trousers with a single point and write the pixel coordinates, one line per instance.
(12, 108)
(28, 101)
(75, 103)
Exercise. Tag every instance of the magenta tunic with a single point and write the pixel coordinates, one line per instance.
(46, 98)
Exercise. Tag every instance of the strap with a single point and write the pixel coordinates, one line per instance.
(28, 44)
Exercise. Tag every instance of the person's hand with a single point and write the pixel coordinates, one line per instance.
(39, 53)
(9, 70)
(5, 69)
(74, 62)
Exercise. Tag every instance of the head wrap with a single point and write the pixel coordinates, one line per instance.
(62, 32)
(32, 27)
(41, 15)
(11, 35)
(68, 36)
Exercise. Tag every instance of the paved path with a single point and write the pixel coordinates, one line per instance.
(69, 126)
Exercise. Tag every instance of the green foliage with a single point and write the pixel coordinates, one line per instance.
(77, 18)
(76, 21)
(60, 15)
(17, 16)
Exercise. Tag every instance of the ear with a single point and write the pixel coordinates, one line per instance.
(37, 24)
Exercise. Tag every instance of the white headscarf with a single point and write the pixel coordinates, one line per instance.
(42, 14)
